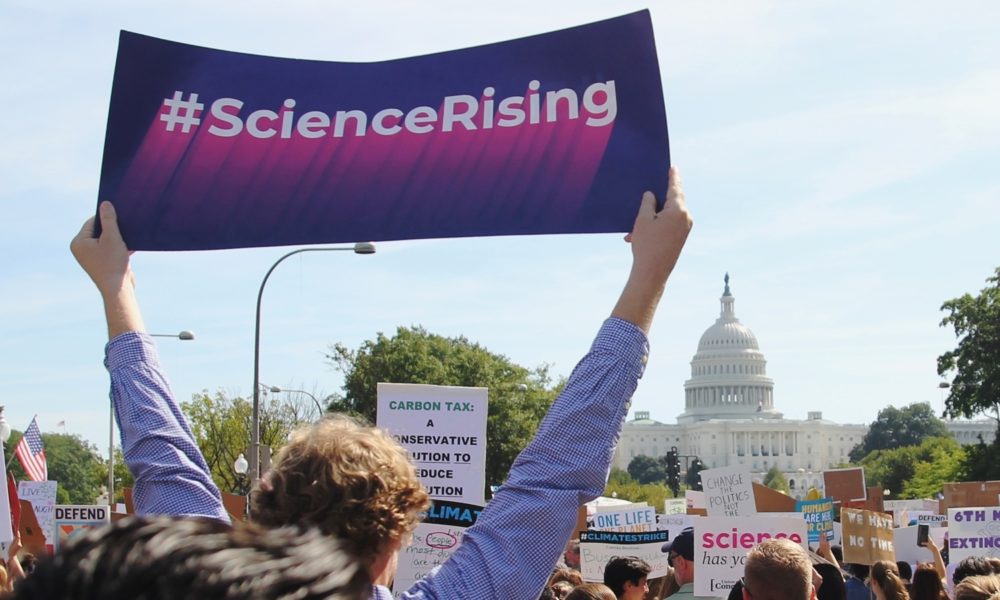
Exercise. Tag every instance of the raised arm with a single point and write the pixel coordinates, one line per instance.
(171, 476)
(510, 551)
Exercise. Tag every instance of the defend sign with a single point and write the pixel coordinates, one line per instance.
(444, 430)
(72, 519)
(721, 545)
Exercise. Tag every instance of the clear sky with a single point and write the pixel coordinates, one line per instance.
(840, 160)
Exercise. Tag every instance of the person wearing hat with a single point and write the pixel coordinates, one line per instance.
(680, 556)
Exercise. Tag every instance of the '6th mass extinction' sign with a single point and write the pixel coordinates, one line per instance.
(444, 430)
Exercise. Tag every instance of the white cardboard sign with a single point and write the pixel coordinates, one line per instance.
(721, 545)
(728, 491)
(444, 430)
(598, 547)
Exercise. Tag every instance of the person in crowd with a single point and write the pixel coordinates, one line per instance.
(856, 581)
(331, 475)
(927, 584)
(662, 587)
(680, 557)
(561, 589)
(626, 576)
(978, 587)
(591, 591)
(886, 583)
(571, 555)
(974, 565)
(571, 576)
(905, 572)
(168, 558)
(832, 586)
(778, 569)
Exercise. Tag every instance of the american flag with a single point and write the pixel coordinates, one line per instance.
(31, 453)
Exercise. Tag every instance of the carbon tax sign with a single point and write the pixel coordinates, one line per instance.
(444, 430)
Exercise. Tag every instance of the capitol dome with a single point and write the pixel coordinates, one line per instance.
(728, 372)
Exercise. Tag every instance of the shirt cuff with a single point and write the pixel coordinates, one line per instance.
(130, 348)
(625, 339)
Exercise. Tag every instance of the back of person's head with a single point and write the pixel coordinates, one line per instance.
(833, 587)
(168, 558)
(28, 563)
(886, 575)
(778, 569)
(547, 594)
(736, 592)
(927, 584)
(350, 480)
(857, 571)
(561, 589)
(978, 587)
(624, 568)
(573, 576)
(973, 565)
(838, 552)
(591, 591)
(905, 570)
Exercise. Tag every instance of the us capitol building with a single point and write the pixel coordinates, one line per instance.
(729, 416)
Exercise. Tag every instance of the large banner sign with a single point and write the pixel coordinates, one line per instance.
(444, 430)
(973, 532)
(598, 547)
(435, 539)
(554, 133)
(721, 545)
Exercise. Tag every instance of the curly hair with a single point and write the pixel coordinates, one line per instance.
(348, 479)
(978, 587)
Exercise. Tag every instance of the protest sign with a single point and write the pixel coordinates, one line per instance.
(694, 499)
(930, 519)
(543, 134)
(970, 494)
(721, 545)
(904, 539)
(435, 539)
(868, 536)
(32, 536)
(818, 515)
(632, 518)
(973, 532)
(728, 491)
(598, 547)
(845, 485)
(675, 523)
(42, 497)
(771, 501)
(74, 518)
(444, 430)
(675, 506)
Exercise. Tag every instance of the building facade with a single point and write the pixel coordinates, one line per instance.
(730, 417)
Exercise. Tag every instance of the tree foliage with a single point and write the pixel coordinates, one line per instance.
(221, 427)
(899, 427)
(621, 485)
(519, 397)
(975, 363)
(776, 480)
(72, 462)
(916, 471)
(646, 469)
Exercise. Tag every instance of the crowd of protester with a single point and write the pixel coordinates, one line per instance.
(342, 498)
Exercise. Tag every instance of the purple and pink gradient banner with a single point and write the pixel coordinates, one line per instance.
(554, 133)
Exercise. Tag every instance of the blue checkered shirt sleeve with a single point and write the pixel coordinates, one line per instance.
(510, 552)
(171, 476)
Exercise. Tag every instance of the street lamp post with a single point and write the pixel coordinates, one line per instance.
(359, 248)
(277, 390)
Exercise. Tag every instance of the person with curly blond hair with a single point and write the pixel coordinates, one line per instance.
(978, 587)
(354, 482)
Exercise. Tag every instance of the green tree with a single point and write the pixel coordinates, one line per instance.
(913, 471)
(621, 485)
(899, 427)
(123, 477)
(981, 462)
(975, 364)
(72, 462)
(776, 480)
(221, 427)
(646, 469)
(519, 397)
